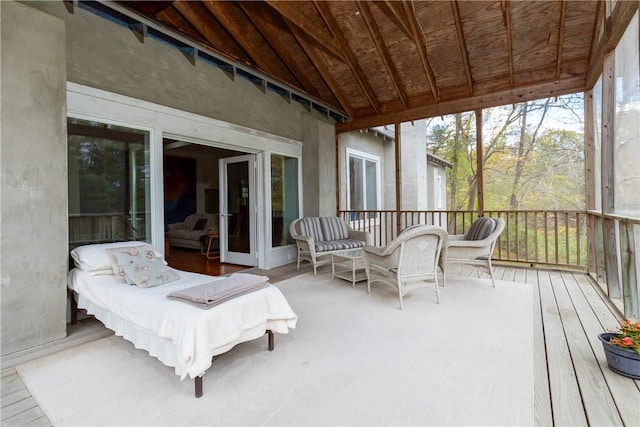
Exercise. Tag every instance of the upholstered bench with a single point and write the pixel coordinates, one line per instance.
(319, 237)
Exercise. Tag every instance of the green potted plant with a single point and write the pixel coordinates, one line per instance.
(622, 349)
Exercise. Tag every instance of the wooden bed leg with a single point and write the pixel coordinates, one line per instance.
(198, 383)
(271, 340)
(74, 307)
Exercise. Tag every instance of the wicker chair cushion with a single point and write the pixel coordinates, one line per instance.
(336, 245)
(310, 227)
(333, 228)
(481, 228)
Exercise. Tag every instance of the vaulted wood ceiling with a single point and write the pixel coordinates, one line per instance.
(384, 61)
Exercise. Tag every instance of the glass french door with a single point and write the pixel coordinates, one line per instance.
(237, 210)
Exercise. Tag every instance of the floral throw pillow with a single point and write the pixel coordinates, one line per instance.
(139, 266)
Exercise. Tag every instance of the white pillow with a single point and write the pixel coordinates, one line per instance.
(116, 269)
(94, 260)
(137, 265)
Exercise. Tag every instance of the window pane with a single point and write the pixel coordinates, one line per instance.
(284, 198)
(356, 184)
(372, 188)
(597, 144)
(626, 129)
(109, 193)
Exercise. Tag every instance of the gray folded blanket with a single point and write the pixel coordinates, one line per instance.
(214, 293)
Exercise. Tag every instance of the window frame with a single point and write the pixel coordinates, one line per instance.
(364, 156)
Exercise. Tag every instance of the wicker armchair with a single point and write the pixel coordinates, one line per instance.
(408, 262)
(473, 249)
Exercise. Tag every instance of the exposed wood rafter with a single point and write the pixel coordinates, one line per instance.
(193, 18)
(233, 26)
(374, 31)
(597, 24)
(563, 16)
(319, 64)
(462, 45)
(352, 61)
(400, 17)
(286, 55)
(299, 20)
(419, 39)
(506, 15)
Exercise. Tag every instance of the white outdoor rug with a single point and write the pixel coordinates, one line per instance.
(354, 359)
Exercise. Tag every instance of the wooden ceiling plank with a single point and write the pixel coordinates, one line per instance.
(352, 61)
(319, 64)
(285, 53)
(506, 14)
(365, 11)
(238, 30)
(563, 18)
(418, 38)
(519, 94)
(462, 44)
(299, 20)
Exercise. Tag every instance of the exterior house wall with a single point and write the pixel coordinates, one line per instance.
(33, 217)
(107, 56)
(419, 178)
(413, 155)
(43, 47)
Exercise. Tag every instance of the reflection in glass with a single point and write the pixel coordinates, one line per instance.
(109, 183)
(284, 198)
(238, 233)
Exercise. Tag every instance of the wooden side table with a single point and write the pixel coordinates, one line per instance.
(167, 246)
(207, 251)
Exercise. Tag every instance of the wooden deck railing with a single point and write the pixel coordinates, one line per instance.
(534, 237)
(104, 227)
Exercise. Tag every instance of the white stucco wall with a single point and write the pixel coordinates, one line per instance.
(33, 218)
(413, 156)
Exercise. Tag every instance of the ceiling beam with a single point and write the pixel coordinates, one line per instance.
(239, 31)
(199, 24)
(399, 17)
(506, 16)
(270, 32)
(419, 39)
(302, 22)
(352, 61)
(319, 64)
(563, 18)
(520, 94)
(374, 31)
(597, 23)
(462, 44)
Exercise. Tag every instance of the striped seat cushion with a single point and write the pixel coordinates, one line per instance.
(334, 228)
(481, 228)
(337, 245)
(310, 227)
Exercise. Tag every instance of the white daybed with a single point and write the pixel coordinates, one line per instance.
(177, 333)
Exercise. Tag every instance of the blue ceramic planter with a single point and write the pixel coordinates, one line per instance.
(624, 362)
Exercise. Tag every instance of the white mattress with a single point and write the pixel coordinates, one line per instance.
(179, 334)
